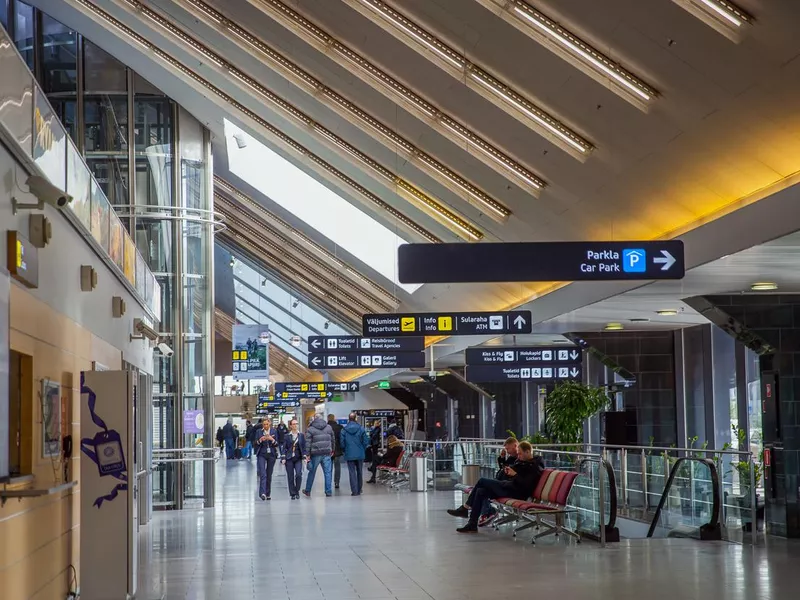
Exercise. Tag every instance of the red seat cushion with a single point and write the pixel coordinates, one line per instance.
(566, 488)
(537, 493)
(552, 493)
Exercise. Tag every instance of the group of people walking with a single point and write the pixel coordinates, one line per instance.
(323, 444)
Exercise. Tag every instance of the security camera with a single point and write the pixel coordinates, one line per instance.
(45, 192)
(143, 331)
(165, 349)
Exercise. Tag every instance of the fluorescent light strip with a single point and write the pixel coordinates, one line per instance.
(287, 243)
(359, 117)
(397, 92)
(324, 166)
(590, 55)
(254, 206)
(376, 168)
(551, 125)
(526, 109)
(727, 11)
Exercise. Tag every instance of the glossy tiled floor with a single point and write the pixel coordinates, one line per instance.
(402, 545)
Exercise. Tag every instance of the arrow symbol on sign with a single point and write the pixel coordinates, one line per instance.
(519, 322)
(666, 259)
(574, 354)
(315, 361)
(353, 386)
(315, 344)
(574, 372)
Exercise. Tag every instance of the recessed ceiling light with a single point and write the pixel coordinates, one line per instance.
(764, 286)
(613, 327)
(640, 320)
(667, 312)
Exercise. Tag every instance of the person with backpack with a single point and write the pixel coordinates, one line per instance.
(249, 435)
(337, 451)
(354, 441)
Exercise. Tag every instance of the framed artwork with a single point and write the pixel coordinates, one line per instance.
(51, 418)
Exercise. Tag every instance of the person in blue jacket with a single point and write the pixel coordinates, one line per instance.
(355, 441)
(266, 444)
(293, 453)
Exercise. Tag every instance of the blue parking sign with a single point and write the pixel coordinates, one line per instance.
(634, 260)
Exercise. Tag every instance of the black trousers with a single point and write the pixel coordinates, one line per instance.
(294, 475)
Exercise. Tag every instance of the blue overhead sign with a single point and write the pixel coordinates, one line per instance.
(540, 261)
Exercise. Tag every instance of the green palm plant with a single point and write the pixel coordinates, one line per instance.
(568, 406)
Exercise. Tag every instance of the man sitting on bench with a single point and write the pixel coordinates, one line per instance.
(522, 479)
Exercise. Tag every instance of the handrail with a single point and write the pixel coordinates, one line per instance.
(709, 531)
(658, 449)
(612, 487)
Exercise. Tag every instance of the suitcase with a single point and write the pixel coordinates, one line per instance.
(237, 453)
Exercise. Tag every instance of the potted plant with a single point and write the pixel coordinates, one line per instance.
(568, 406)
(744, 500)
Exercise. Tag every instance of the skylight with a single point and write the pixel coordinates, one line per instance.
(324, 210)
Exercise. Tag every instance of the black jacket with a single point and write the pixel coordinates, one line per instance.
(337, 437)
(266, 448)
(228, 433)
(391, 456)
(521, 485)
(396, 431)
(502, 463)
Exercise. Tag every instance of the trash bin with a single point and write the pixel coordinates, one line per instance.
(418, 474)
(470, 474)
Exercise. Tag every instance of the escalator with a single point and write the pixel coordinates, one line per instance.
(690, 504)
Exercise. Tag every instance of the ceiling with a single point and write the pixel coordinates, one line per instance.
(722, 135)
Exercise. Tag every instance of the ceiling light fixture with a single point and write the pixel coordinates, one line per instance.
(727, 18)
(639, 320)
(500, 93)
(764, 286)
(394, 90)
(316, 163)
(574, 50)
(431, 206)
(613, 327)
(307, 82)
(667, 312)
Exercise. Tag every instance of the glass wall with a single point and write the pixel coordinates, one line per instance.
(121, 124)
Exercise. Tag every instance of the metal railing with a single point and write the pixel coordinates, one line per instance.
(642, 474)
(593, 494)
(175, 455)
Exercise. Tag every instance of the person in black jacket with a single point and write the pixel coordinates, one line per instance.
(522, 479)
(507, 458)
(293, 452)
(266, 454)
(337, 450)
(282, 431)
(394, 429)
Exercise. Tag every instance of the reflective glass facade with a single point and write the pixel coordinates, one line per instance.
(123, 125)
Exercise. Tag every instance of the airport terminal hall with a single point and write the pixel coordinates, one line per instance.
(399, 299)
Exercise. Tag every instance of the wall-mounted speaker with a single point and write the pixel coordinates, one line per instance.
(88, 278)
(118, 307)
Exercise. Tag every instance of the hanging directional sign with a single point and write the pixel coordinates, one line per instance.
(353, 360)
(353, 343)
(268, 403)
(488, 355)
(309, 394)
(498, 373)
(454, 323)
(316, 386)
(540, 261)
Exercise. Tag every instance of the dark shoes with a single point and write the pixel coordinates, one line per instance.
(263, 496)
(371, 480)
(328, 495)
(337, 486)
(468, 529)
(306, 494)
(461, 512)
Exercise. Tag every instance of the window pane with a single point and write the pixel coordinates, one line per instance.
(59, 57)
(4, 14)
(102, 72)
(327, 212)
(23, 31)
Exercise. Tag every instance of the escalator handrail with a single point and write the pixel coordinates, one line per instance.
(715, 507)
(612, 487)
